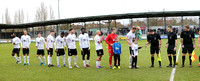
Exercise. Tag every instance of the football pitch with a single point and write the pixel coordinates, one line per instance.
(16, 72)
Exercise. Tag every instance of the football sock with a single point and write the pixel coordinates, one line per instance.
(190, 60)
(24, 59)
(27, 59)
(87, 62)
(58, 60)
(130, 60)
(84, 62)
(99, 63)
(50, 60)
(152, 61)
(63, 59)
(44, 59)
(96, 63)
(39, 59)
(19, 59)
(110, 60)
(75, 59)
(69, 60)
(170, 60)
(15, 58)
(174, 58)
(183, 60)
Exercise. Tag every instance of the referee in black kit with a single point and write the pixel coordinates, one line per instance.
(155, 40)
(188, 44)
(171, 48)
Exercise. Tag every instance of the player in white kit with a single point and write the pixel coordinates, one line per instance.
(16, 41)
(40, 42)
(99, 48)
(59, 48)
(70, 39)
(130, 36)
(25, 42)
(84, 43)
(50, 43)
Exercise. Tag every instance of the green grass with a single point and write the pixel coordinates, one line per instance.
(11, 71)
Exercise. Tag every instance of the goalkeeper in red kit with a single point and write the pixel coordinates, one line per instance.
(110, 40)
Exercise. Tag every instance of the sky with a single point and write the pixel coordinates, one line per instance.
(82, 8)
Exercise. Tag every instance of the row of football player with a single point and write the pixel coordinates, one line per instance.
(187, 37)
(60, 46)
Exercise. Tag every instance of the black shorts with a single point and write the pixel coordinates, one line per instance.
(170, 49)
(50, 51)
(130, 49)
(40, 52)
(25, 51)
(99, 52)
(85, 51)
(72, 52)
(60, 52)
(188, 48)
(154, 49)
(16, 50)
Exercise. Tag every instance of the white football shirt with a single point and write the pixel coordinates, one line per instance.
(17, 41)
(25, 41)
(130, 37)
(70, 39)
(51, 40)
(60, 41)
(84, 41)
(135, 49)
(40, 42)
(97, 45)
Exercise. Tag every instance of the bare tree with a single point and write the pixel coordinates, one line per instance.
(51, 16)
(19, 17)
(41, 15)
(7, 17)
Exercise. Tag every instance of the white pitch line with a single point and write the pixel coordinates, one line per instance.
(174, 69)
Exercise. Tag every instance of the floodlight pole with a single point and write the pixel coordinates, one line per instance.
(58, 26)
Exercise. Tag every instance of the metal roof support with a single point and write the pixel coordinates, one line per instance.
(115, 24)
(45, 31)
(57, 29)
(199, 21)
(182, 24)
(165, 25)
(84, 25)
(131, 22)
(109, 26)
(147, 24)
(70, 25)
(100, 25)
(33, 32)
